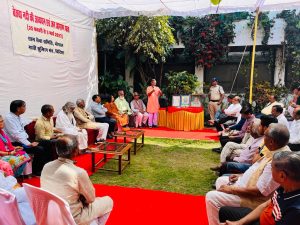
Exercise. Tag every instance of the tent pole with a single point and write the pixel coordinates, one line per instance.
(253, 55)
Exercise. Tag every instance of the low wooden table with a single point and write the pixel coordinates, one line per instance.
(111, 148)
(133, 134)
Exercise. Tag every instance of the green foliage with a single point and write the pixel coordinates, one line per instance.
(150, 37)
(144, 40)
(265, 23)
(292, 44)
(181, 83)
(262, 89)
(110, 84)
(206, 38)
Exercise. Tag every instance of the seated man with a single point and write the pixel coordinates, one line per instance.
(224, 105)
(73, 184)
(273, 100)
(66, 122)
(122, 104)
(294, 142)
(231, 113)
(255, 186)
(246, 154)
(256, 150)
(45, 132)
(139, 110)
(99, 112)
(14, 128)
(237, 136)
(283, 207)
(84, 121)
(277, 112)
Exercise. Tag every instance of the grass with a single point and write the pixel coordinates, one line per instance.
(174, 165)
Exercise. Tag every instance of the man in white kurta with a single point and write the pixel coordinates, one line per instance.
(72, 183)
(66, 122)
(233, 190)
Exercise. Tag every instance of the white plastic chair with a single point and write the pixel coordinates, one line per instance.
(48, 208)
(9, 211)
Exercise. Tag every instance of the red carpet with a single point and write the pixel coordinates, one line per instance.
(135, 206)
(204, 134)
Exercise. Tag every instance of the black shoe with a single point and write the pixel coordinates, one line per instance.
(109, 136)
(99, 141)
(216, 168)
(218, 150)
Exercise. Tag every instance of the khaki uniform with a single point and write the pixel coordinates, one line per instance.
(215, 93)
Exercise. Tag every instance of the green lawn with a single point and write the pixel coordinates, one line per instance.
(167, 164)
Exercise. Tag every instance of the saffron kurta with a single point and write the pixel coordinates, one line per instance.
(113, 111)
(153, 104)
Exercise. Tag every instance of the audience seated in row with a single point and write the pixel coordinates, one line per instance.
(14, 128)
(253, 187)
(251, 154)
(284, 206)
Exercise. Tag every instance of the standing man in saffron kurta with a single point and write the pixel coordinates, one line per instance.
(153, 93)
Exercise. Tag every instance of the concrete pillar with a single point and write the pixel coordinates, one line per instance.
(199, 72)
(279, 72)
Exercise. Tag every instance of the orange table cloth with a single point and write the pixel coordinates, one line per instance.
(185, 118)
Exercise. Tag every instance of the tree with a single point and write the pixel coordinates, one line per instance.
(206, 38)
(292, 43)
(143, 41)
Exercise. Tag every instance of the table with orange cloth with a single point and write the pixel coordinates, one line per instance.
(181, 118)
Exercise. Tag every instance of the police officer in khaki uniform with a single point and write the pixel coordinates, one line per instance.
(215, 95)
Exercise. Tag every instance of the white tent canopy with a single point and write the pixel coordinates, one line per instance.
(117, 8)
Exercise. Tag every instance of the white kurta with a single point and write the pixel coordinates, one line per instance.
(67, 124)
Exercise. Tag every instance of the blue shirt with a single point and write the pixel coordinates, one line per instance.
(98, 110)
(14, 128)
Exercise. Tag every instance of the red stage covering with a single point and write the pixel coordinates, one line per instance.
(191, 109)
(136, 206)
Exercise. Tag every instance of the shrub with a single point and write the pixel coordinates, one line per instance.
(181, 83)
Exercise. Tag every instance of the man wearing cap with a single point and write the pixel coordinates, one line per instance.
(215, 95)
(139, 110)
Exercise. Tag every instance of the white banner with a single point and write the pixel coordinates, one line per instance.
(37, 33)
